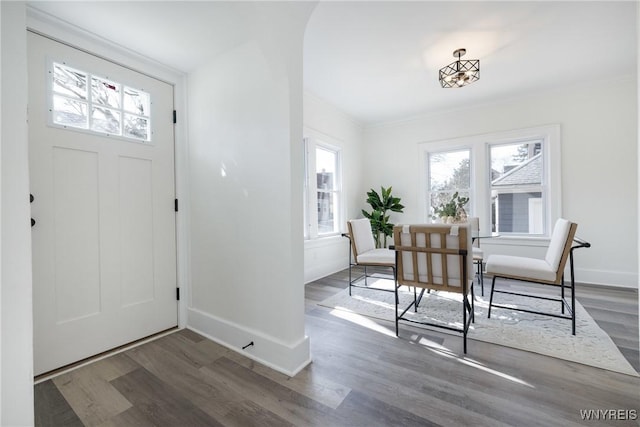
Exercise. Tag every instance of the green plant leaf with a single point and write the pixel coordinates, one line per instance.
(386, 193)
(381, 204)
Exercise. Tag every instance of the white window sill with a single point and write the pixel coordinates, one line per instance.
(515, 241)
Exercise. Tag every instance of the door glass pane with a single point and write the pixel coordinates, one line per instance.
(105, 120)
(69, 82)
(136, 127)
(67, 112)
(136, 101)
(517, 200)
(104, 92)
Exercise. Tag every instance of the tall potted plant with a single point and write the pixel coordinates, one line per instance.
(381, 204)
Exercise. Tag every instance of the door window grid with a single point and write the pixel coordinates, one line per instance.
(101, 106)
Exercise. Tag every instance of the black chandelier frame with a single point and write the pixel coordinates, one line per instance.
(461, 72)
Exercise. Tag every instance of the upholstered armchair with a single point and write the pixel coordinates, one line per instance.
(547, 271)
(363, 253)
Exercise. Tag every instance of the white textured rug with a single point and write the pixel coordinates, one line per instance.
(531, 332)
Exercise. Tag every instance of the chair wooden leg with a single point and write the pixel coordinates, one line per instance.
(493, 285)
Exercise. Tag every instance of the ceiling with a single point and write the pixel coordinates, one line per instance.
(379, 61)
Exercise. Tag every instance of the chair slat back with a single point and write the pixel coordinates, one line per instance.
(434, 256)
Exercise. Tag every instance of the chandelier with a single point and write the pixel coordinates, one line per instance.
(460, 73)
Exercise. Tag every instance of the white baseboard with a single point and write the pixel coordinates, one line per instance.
(288, 359)
(604, 277)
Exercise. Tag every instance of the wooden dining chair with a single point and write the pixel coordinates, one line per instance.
(435, 257)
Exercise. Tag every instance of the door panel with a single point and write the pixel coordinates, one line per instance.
(104, 251)
(136, 231)
(76, 237)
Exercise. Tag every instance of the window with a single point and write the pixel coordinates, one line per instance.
(517, 187)
(511, 178)
(449, 172)
(80, 100)
(323, 188)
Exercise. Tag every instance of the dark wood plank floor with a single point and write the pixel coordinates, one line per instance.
(361, 375)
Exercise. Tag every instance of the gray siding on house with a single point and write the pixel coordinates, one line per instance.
(513, 211)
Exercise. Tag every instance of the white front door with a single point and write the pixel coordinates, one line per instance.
(101, 158)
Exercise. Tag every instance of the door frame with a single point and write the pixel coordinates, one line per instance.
(64, 33)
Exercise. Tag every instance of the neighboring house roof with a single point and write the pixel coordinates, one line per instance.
(529, 172)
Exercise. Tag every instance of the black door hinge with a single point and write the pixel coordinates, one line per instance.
(178, 294)
(176, 205)
(175, 117)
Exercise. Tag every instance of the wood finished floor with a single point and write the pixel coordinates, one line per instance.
(361, 375)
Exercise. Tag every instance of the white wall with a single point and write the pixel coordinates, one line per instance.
(330, 254)
(16, 341)
(245, 155)
(599, 165)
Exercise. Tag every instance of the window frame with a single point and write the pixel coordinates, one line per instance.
(51, 62)
(480, 189)
(313, 141)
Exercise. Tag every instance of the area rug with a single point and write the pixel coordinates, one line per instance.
(526, 331)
